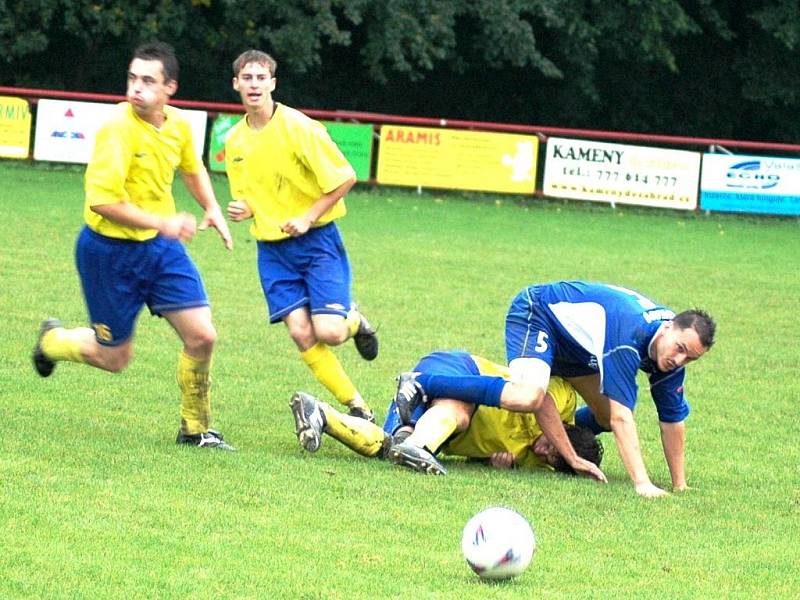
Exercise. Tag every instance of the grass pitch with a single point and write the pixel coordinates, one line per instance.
(96, 501)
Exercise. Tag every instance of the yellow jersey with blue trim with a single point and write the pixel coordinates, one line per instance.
(498, 430)
(134, 161)
(281, 170)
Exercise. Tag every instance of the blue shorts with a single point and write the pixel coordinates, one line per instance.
(451, 362)
(120, 276)
(528, 331)
(311, 270)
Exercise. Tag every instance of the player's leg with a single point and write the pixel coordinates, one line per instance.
(176, 293)
(78, 344)
(113, 299)
(446, 374)
(333, 330)
(329, 283)
(529, 353)
(196, 330)
(282, 267)
(529, 350)
(312, 418)
(324, 364)
(595, 415)
(440, 421)
(444, 418)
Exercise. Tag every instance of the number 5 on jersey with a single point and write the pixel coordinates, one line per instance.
(541, 342)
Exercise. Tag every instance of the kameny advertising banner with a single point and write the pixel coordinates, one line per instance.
(750, 184)
(66, 129)
(457, 159)
(620, 173)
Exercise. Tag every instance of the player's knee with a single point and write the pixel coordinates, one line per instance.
(117, 359)
(331, 333)
(462, 421)
(522, 397)
(201, 341)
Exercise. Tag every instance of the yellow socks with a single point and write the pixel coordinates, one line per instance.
(65, 344)
(433, 429)
(357, 434)
(194, 381)
(329, 372)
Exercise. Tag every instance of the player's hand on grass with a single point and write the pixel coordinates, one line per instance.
(588, 469)
(502, 460)
(213, 218)
(239, 211)
(648, 490)
(297, 226)
(181, 226)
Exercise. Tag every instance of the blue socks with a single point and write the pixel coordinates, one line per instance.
(476, 389)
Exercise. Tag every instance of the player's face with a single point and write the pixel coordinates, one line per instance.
(676, 347)
(255, 85)
(545, 450)
(148, 90)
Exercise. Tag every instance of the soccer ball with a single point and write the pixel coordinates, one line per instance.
(498, 543)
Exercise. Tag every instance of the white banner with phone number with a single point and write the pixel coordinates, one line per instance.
(619, 173)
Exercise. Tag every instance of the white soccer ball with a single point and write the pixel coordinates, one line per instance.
(498, 543)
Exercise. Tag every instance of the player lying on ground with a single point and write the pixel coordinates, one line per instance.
(457, 428)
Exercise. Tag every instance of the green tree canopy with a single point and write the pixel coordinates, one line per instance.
(694, 67)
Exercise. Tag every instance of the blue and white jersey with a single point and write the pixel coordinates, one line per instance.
(581, 328)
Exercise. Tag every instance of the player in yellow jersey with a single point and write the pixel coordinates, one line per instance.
(286, 174)
(450, 425)
(130, 253)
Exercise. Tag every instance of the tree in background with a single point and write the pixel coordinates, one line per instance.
(693, 67)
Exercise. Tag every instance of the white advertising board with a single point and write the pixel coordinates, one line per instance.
(66, 129)
(751, 184)
(619, 173)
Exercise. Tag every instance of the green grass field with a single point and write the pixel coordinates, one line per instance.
(96, 501)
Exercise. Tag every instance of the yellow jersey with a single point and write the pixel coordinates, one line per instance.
(134, 161)
(281, 170)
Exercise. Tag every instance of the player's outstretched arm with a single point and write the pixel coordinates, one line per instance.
(199, 185)
(627, 438)
(673, 439)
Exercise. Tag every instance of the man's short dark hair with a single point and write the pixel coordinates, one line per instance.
(254, 56)
(701, 322)
(163, 52)
(586, 445)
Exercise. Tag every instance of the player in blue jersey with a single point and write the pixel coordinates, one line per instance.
(597, 337)
(130, 253)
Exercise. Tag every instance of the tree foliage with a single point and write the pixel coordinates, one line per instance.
(705, 67)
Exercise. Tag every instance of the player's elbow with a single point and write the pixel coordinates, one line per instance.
(620, 420)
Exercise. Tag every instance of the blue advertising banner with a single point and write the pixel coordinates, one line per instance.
(750, 184)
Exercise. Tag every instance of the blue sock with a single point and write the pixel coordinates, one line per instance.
(584, 417)
(477, 389)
